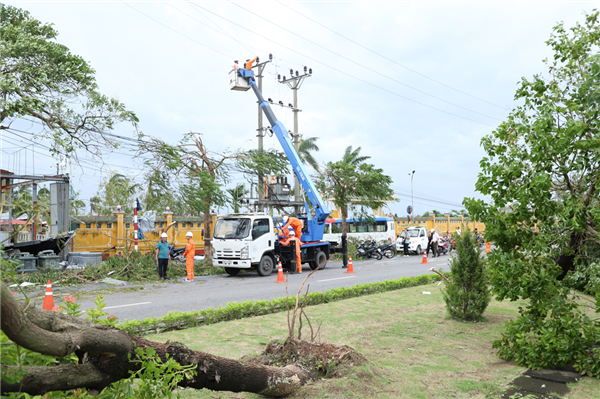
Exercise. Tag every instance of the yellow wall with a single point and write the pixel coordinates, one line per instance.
(95, 235)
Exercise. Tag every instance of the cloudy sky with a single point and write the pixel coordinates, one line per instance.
(416, 85)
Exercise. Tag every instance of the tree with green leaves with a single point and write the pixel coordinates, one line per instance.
(467, 295)
(200, 174)
(353, 157)
(44, 82)
(542, 176)
(118, 190)
(235, 196)
(305, 149)
(264, 162)
(354, 185)
(162, 192)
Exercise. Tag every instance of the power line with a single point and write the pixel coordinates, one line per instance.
(218, 29)
(430, 200)
(364, 66)
(179, 33)
(391, 60)
(342, 72)
(12, 131)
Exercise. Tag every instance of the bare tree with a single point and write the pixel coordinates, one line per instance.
(200, 174)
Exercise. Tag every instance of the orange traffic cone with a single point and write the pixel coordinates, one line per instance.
(424, 262)
(488, 247)
(280, 278)
(350, 269)
(48, 299)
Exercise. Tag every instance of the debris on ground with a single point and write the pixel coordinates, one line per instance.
(320, 359)
(113, 281)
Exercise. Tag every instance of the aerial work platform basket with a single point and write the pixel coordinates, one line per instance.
(237, 82)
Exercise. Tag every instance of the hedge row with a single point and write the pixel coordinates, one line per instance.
(233, 310)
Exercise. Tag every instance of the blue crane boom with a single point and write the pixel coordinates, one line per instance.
(316, 226)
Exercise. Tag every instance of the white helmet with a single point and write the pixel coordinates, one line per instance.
(432, 230)
(189, 234)
(163, 235)
(292, 233)
(285, 218)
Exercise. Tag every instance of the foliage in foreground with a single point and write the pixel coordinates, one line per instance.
(42, 80)
(542, 174)
(468, 294)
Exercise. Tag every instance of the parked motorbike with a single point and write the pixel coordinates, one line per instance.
(388, 249)
(369, 251)
(177, 254)
(443, 246)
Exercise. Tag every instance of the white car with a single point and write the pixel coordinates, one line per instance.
(418, 239)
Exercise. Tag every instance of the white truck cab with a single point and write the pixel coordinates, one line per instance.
(244, 240)
(418, 239)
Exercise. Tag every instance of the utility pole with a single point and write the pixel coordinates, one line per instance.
(294, 83)
(412, 197)
(261, 130)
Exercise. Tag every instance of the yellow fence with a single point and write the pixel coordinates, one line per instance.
(443, 225)
(115, 234)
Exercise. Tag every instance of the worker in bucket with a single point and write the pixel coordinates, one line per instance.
(295, 223)
(236, 66)
(250, 62)
(190, 252)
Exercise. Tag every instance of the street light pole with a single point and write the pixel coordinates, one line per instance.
(412, 197)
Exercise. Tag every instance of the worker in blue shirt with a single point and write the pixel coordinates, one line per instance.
(162, 256)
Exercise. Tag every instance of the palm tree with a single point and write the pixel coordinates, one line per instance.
(352, 157)
(305, 149)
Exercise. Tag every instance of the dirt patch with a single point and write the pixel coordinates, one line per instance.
(322, 360)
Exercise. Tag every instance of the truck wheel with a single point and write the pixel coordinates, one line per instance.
(232, 271)
(419, 250)
(320, 257)
(265, 267)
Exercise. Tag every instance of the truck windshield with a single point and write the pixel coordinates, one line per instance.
(232, 228)
(413, 233)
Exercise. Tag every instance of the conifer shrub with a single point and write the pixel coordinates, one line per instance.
(468, 293)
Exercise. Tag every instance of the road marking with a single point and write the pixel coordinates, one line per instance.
(131, 304)
(331, 279)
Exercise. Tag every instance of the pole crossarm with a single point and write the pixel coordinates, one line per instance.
(31, 179)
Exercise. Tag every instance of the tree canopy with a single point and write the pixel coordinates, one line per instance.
(44, 82)
(353, 184)
(541, 174)
(118, 190)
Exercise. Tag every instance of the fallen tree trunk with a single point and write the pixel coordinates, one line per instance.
(104, 356)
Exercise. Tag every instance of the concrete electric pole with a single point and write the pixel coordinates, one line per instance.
(294, 83)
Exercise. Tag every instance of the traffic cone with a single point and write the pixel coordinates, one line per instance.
(350, 269)
(48, 299)
(488, 247)
(280, 278)
(424, 262)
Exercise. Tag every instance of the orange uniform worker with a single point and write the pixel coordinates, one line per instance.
(249, 63)
(288, 241)
(294, 223)
(190, 252)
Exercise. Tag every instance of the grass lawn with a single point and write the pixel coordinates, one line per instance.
(414, 349)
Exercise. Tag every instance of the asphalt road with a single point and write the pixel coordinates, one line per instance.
(157, 300)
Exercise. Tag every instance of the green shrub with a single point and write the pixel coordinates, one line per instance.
(233, 310)
(468, 293)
